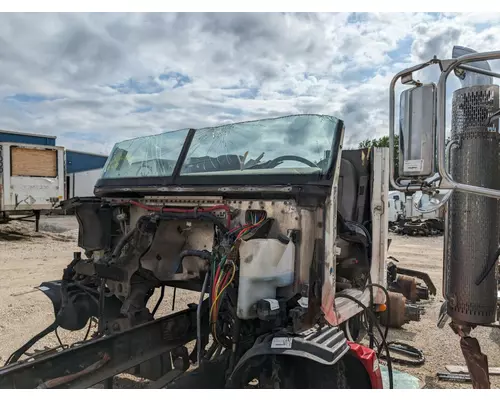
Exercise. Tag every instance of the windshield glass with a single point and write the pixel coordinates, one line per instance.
(299, 144)
(145, 156)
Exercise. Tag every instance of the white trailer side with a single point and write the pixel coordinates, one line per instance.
(81, 184)
(32, 177)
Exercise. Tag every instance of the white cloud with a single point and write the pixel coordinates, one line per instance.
(240, 66)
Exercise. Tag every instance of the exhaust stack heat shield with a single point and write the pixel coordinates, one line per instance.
(473, 221)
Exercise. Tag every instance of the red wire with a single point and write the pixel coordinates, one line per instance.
(185, 210)
(226, 278)
(248, 228)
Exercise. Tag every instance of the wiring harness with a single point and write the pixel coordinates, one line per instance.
(224, 270)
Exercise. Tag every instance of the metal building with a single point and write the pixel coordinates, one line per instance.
(78, 161)
(28, 138)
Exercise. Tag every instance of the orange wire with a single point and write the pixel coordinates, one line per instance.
(224, 288)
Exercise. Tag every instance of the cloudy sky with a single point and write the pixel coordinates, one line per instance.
(94, 79)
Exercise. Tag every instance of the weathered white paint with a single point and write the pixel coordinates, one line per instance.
(25, 193)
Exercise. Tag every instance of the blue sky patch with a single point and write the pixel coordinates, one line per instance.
(29, 98)
(180, 78)
(143, 109)
(232, 110)
(150, 85)
(245, 93)
(357, 17)
(134, 86)
(403, 50)
(250, 93)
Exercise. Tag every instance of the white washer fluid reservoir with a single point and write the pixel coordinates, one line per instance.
(265, 264)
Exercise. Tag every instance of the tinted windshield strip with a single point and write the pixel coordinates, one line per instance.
(184, 152)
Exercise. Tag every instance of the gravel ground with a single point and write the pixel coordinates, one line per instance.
(28, 258)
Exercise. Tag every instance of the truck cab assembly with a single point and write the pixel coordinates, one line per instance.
(279, 267)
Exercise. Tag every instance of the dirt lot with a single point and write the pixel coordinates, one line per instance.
(27, 259)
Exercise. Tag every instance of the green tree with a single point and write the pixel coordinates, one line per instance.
(383, 142)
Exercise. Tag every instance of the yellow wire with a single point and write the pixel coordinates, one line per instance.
(224, 288)
(214, 331)
(216, 284)
(219, 279)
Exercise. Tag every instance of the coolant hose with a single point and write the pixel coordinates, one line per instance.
(121, 244)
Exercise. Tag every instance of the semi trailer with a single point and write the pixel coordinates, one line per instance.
(32, 180)
(82, 183)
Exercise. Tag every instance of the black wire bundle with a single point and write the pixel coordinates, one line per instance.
(386, 292)
(395, 346)
(373, 318)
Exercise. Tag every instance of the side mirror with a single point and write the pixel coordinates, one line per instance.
(417, 132)
(430, 203)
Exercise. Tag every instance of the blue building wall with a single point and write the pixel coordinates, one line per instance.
(77, 161)
(13, 137)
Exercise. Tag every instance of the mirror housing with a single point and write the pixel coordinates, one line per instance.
(431, 202)
(417, 132)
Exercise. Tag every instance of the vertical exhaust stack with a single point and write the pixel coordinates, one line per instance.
(473, 220)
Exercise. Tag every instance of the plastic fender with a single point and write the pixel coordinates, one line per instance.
(369, 359)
